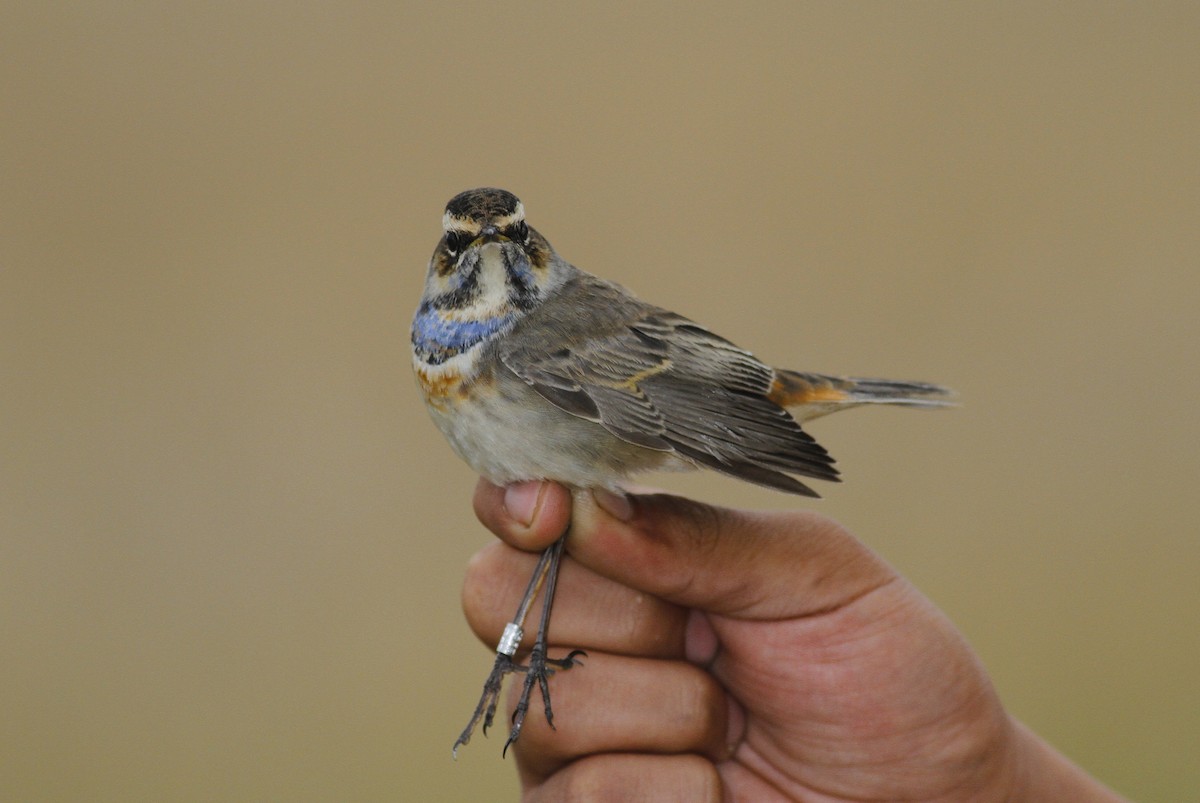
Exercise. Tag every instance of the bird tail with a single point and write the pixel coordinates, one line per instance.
(813, 395)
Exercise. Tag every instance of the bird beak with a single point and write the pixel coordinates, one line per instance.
(489, 234)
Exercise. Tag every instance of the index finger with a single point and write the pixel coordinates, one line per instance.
(743, 564)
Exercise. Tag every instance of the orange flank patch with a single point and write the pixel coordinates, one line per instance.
(791, 390)
(445, 387)
(439, 386)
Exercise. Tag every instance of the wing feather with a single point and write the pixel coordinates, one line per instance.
(658, 380)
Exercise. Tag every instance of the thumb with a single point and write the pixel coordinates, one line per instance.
(743, 564)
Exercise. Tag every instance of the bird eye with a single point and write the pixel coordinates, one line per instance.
(453, 242)
(521, 230)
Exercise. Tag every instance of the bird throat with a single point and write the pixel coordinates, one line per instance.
(485, 301)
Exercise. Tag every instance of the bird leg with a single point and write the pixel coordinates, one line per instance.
(539, 669)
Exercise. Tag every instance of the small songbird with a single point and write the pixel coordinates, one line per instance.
(535, 369)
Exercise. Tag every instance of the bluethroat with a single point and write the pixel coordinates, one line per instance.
(535, 369)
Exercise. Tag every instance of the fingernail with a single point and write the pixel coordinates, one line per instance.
(521, 500)
(617, 505)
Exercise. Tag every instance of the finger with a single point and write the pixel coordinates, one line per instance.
(590, 611)
(745, 564)
(634, 778)
(528, 515)
(618, 704)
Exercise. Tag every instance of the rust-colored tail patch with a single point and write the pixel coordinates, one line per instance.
(790, 389)
(824, 394)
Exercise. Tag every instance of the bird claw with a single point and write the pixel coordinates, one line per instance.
(538, 672)
(539, 669)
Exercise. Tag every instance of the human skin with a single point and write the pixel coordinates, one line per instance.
(736, 655)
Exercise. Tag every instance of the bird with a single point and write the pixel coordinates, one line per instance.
(534, 369)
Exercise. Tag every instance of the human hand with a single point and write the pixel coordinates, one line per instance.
(745, 656)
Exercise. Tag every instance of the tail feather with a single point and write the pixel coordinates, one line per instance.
(890, 391)
(821, 394)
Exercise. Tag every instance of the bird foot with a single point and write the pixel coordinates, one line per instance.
(537, 672)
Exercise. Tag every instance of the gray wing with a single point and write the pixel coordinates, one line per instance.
(658, 380)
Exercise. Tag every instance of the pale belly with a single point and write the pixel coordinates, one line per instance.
(507, 432)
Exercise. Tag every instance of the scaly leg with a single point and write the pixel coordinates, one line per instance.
(540, 667)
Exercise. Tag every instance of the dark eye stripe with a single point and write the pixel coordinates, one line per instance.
(518, 232)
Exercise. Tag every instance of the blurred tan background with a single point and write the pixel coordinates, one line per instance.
(232, 542)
